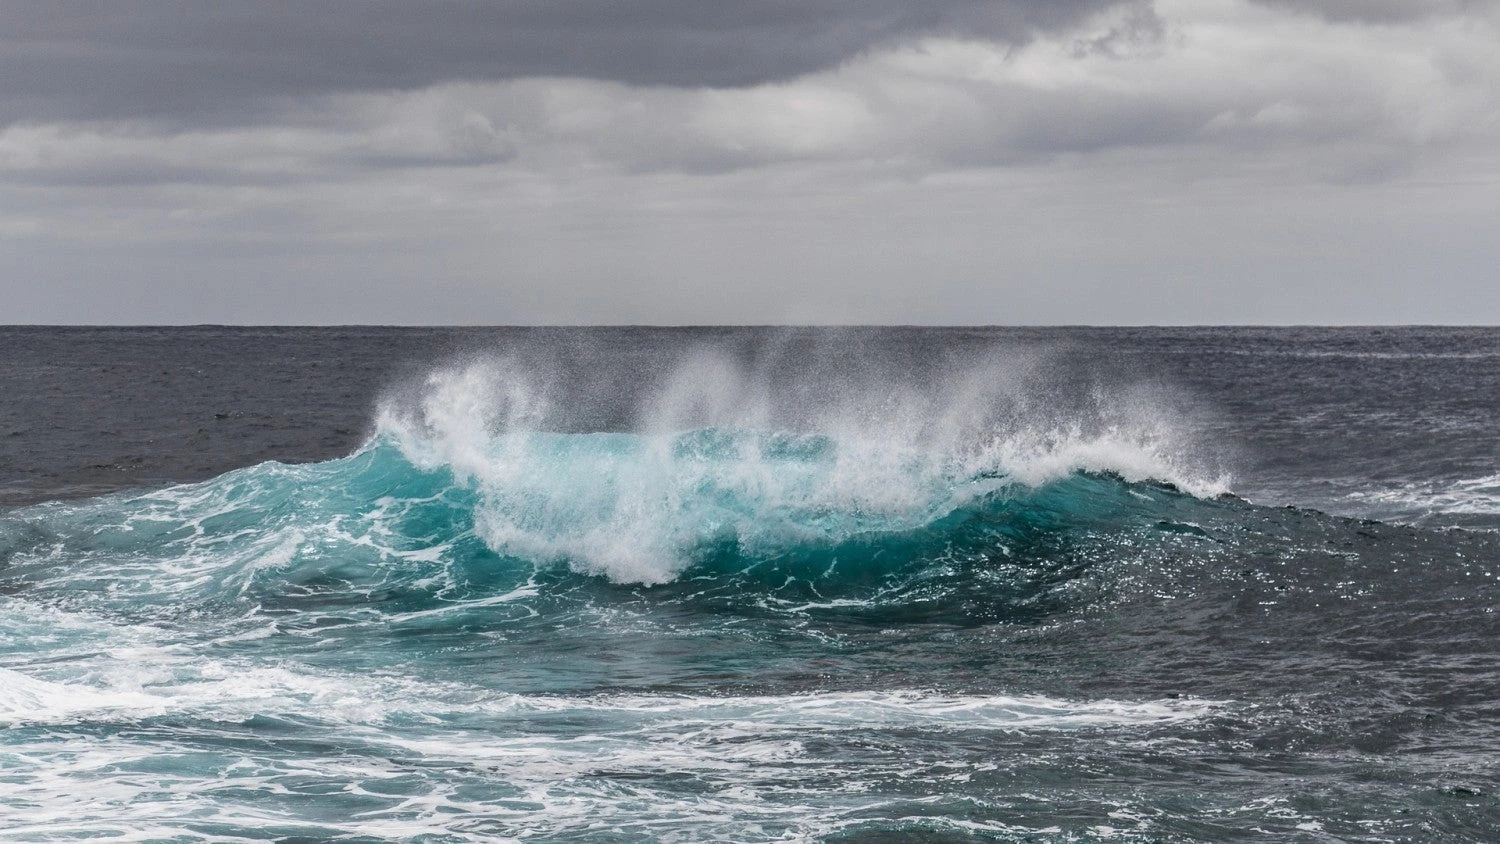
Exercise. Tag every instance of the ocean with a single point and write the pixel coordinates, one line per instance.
(749, 584)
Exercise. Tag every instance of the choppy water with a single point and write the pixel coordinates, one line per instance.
(749, 585)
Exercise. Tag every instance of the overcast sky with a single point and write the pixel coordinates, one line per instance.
(739, 161)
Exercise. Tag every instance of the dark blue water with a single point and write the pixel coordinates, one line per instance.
(749, 584)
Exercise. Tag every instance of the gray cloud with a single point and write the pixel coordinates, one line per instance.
(232, 60)
(691, 161)
(1377, 11)
(1364, 106)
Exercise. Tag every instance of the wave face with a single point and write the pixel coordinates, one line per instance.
(749, 602)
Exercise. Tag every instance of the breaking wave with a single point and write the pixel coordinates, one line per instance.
(472, 493)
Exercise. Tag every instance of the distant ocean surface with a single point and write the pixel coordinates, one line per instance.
(628, 584)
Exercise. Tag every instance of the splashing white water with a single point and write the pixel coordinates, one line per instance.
(724, 454)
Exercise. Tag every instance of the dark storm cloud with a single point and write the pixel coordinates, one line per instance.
(230, 60)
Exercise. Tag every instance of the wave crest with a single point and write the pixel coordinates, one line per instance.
(763, 475)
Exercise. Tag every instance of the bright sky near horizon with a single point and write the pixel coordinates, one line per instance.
(750, 161)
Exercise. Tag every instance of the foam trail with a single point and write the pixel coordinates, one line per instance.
(444, 762)
(214, 689)
(1419, 501)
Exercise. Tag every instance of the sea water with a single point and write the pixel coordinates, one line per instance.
(749, 584)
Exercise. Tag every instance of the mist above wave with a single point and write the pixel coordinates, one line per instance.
(765, 456)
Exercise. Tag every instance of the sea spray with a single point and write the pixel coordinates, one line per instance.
(725, 456)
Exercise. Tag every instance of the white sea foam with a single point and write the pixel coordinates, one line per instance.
(71, 667)
(150, 681)
(25, 699)
(393, 756)
(470, 764)
(1479, 496)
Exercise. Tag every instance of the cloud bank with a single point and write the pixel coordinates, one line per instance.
(587, 161)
